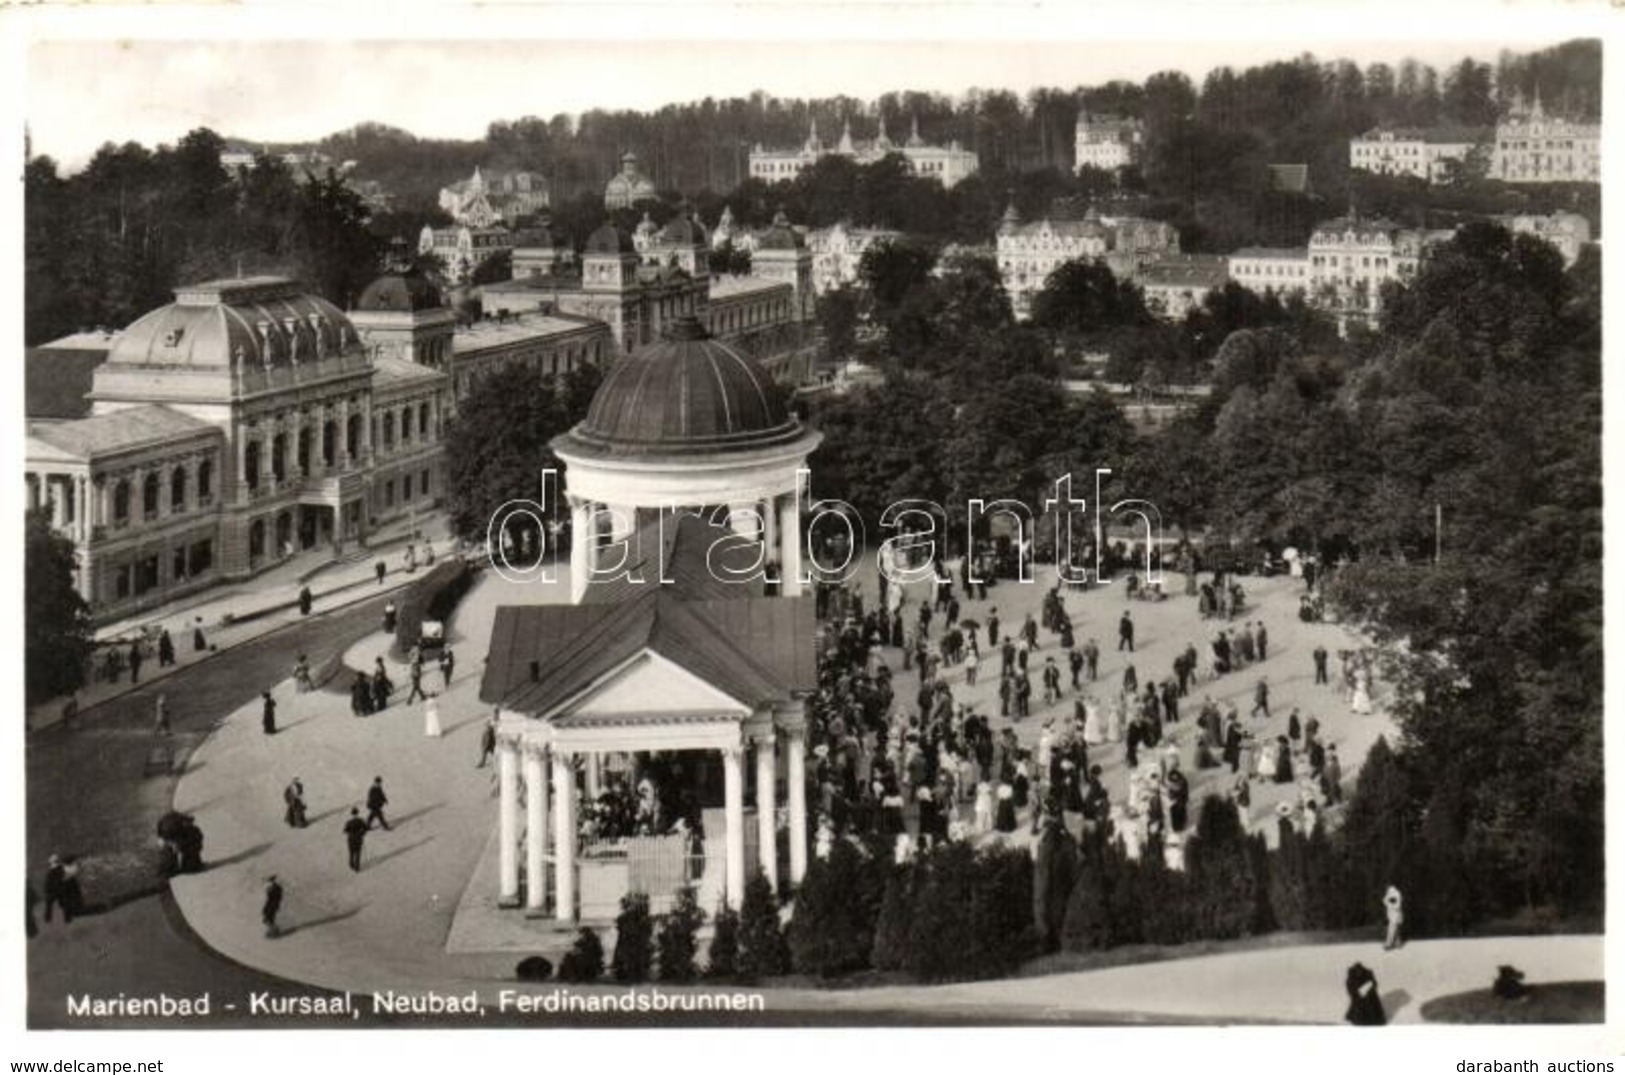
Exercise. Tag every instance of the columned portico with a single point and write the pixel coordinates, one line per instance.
(536, 793)
(564, 839)
(767, 855)
(508, 819)
(733, 804)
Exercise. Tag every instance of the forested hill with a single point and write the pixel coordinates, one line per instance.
(1298, 110)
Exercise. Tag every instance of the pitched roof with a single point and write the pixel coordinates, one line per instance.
(754, 648)
(56, 380)
(119, 430)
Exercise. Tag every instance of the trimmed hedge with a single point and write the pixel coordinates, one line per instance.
(433, 597)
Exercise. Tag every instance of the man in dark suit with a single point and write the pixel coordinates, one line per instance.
(355, 834)
(1320, 665)
(1125, 633)
(268, 713)
(376, 801)
(273, 904)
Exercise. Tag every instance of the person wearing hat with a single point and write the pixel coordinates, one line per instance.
(376, 801)
(1365, 1003)
(355, 835)
(1283, 760)
(55, 878)
(1331, 777)
(268, 713)
(1005, 816)
(293, 797)
(272, 905)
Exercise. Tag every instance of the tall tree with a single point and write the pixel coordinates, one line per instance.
(56, 620)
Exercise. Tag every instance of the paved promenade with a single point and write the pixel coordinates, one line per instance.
(389, 924)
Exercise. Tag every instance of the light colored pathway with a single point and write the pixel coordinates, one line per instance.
(236, 613)
(388, 925)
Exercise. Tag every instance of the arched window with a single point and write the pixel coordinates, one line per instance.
(302, 450)
(406, 424)
(256, 539)
(121, 502)
(352, 438)
(177, 489)
(251, 464)
(279, 457)
(423, 419)
(330, 442)
(149, 497)
(389, 430)
(205, 479)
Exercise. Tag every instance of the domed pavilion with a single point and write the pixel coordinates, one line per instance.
(626, 716)
(687, 423)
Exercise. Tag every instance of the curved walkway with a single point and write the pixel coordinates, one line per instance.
(387, 926)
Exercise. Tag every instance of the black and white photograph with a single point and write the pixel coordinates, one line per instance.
(802, 527)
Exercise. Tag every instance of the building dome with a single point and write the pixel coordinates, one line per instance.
(628, 186)
(781, 236)
(687, 394)
(683, 230)
(395, 292)
(257, 323)
(609, 239)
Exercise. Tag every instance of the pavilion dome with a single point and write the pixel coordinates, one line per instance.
(683, 230)
(254, 323)
(408, 291)
(609, 239)
(688, 393)
(781, 236)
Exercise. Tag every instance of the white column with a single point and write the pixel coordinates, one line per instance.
(535, 826)
(595, 776)
(564, 840)
(508, 822)
(581, 548)
(767, 852)
(59, 501)
(770, 526)
(734, 804)
(797, 777)
(790, 544)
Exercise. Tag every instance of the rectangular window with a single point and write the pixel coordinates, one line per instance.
(423, 482)
(146, 575)
(201, 557)
(121, 580)
(178, 565)
(389, 493)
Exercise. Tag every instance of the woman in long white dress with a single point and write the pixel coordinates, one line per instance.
(431, 719)
(1266, 762)
(1118, 721)
(1094, 726)
(1361, 702)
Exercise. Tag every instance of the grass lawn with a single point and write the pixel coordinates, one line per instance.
(1547, 1002)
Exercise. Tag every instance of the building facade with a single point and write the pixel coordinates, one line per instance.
(1028, 252)
(1422, 152)
(1282, 270)
(947, 165)
(1107, 142)
(1532, 147)
(838, 250)
(1176, 284)
(462, 249)
(483, 200)
(1569, 232)
(1351, 257)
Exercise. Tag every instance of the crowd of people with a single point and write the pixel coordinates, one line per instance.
(913, 755)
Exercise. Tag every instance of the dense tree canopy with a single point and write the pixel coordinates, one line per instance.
(56, 620)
